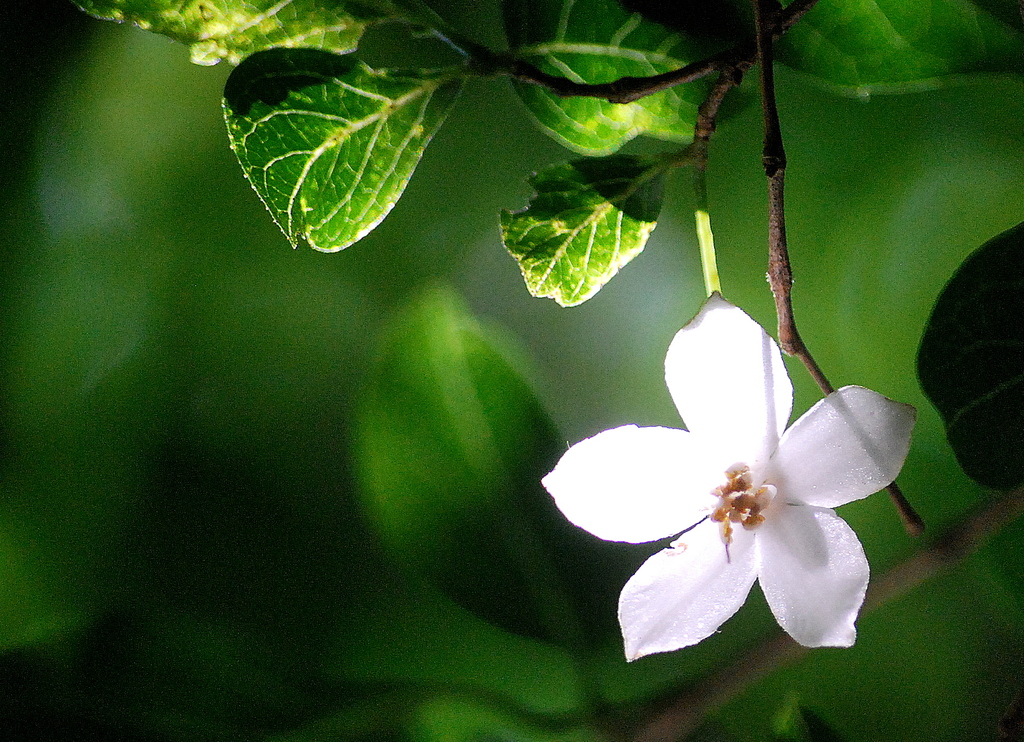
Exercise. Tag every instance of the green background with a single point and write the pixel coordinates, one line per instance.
(183, 549)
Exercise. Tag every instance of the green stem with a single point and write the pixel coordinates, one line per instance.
(707, 252)
(705, 238)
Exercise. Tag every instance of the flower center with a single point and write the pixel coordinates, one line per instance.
(739, 502)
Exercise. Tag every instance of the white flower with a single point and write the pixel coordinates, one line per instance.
(761, 496)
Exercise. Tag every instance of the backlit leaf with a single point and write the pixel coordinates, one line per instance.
(328, 143)
(234, 29)
(587, 219)
(598, 41)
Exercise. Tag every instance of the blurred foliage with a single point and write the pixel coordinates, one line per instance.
(971, 361)
(451, 444)
(794, 723)
(203, 430)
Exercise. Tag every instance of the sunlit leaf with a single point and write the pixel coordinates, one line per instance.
(328, 143)
(234, 29)
(971, 361)
(867, 46)
(587, 219)
(598, 41)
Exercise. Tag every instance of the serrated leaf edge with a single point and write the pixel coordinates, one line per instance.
(296, 227)
(614, 264)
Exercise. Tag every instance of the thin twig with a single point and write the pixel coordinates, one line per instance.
(630, 89)
(780, 272)
(912, 522)
(623, 90)
(704, 127)
(707, 112)
(681, 715)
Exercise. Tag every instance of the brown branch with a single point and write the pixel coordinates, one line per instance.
(681, 715)
(780, 272)
(707, 112)
(629, 89)
(704, 127)
(623, 90)
(912, 522)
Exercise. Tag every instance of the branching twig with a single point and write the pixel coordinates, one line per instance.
(629, 89)
(684, 713)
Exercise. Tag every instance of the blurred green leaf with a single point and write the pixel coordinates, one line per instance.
(328, 143)
(201, 678)
(234, 29)
(899, 45)
(971, 361)
(598, 41)
(587, 219)
(410, 636)
(794, 723)
(448, 436)
(454, 719)
(451, 447)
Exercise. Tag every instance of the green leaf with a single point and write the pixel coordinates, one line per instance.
(451, 447)
(587, 219)
(328, 143)
(456, 719)
(795, 723)
(413, 636)
(867, 46)
(971, 361)
(598, 41)
(234, 29)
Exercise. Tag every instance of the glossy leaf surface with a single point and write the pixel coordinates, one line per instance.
(328, 143)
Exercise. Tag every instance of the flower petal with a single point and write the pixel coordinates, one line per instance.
(633, 484)
(729, 383)
(813, 574)
(681, 595)
(848, 445)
